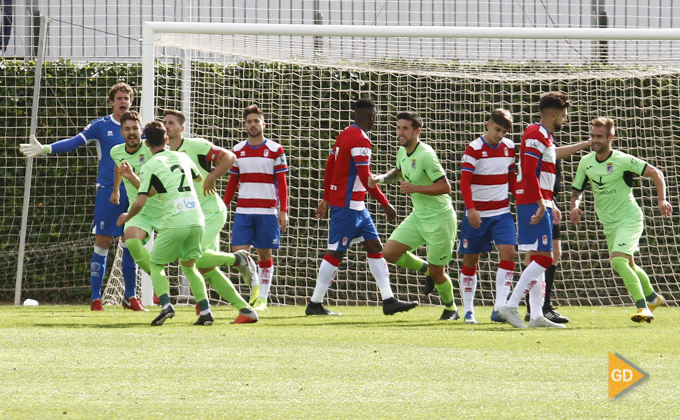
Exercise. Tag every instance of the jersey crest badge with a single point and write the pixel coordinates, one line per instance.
(142, 159)
(465, 243)
(506, 152)
(413, 164)
(544, 239)
(266, 153)
(610, 168)
(344, 241)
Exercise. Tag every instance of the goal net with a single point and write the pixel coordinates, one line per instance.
(305, 82)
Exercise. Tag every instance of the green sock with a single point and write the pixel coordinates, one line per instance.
(225, 288)
(647, 288)
(446, 293)
(410, 261)
(212, 258)
(196, 283)
(160, 283)
(630, 279)
(140, 254)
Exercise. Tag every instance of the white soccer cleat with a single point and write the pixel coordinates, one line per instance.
(643, 314)
(246, 267)
(543, 322)
(512, 316)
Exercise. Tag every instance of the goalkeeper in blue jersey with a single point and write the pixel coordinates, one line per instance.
(611, 174)
(104, 133)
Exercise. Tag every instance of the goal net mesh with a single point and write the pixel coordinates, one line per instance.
(305, 85)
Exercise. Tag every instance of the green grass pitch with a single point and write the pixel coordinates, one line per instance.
(67, 362)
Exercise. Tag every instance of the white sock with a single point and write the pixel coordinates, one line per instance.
(530, 274)
(503, 286)
(536, 296)
(266, 276)
(327, 273)
(468, 286)
(381, 275)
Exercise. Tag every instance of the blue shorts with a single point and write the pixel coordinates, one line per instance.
(350, 227)
(259, 230)
(534, 237)
(499, 229)
(106, 213)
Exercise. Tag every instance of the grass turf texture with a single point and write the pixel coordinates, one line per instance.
(69, 362)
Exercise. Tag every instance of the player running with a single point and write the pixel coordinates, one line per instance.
(345, 184)
(433, 222)
(205, 154)
(610, 173)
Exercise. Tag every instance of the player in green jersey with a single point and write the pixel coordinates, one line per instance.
(433, 222)
(182, 223)
(204, 154)
(610, 174)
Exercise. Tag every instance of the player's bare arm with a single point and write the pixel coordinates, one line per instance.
(392, 176)
(225, 160)
(557, 214)
(126, 172)
(657, 177)
(539, 212)
(439, 187)
(115, 193)
(575, 213)
(134, 210)
(474, 218)
(564, 152)
(322, 209)
(283, 220)
(390, 212)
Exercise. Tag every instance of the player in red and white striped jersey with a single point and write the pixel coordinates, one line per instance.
(262, 206)
(536, 175)
(487, 177)
(345, 186)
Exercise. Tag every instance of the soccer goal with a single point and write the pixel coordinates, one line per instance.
(304, 77)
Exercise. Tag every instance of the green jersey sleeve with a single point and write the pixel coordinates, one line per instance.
(580, 178)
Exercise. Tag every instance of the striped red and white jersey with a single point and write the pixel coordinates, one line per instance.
(537, 144)
(352, 148)
(491, 167)
(257, 168)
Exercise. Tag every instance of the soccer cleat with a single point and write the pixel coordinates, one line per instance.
(512, 316)
(527, 317)
(393, 305)
(135, 304)
(469, 318)
(314, 308)
(206, 320)
(449, 315)
(260, 304)
(429, 286)
(543, 322)
(96, 305)
(166, 313)
(554, 316)
(246, 266)
(657, 302)
(254, 293)
(246, 316)
(496, 317)
(643, 314)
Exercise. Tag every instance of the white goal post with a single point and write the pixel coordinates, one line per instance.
(304, 77)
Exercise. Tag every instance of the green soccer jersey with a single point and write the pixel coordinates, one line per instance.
(136, 160)
(199, 152)
(171, 174)
(422, 167)
(611, 182)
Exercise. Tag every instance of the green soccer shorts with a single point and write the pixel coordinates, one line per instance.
(177, 243)
(624, 236)
(146, 222)
(439, 236)
(214, 222)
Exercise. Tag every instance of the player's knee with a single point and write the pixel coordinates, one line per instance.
(135, 246)
(620, 264)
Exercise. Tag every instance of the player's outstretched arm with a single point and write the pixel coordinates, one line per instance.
(564, 152)
(657, 176)
(575, 213)
(225, 160)
(34, 148)
(392, 176)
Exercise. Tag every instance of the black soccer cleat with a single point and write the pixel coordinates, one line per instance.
(314, 308)
(556, 317)
(393, 305)
(429, 286)
(448, 315)
(206, 320)
(166, 313)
